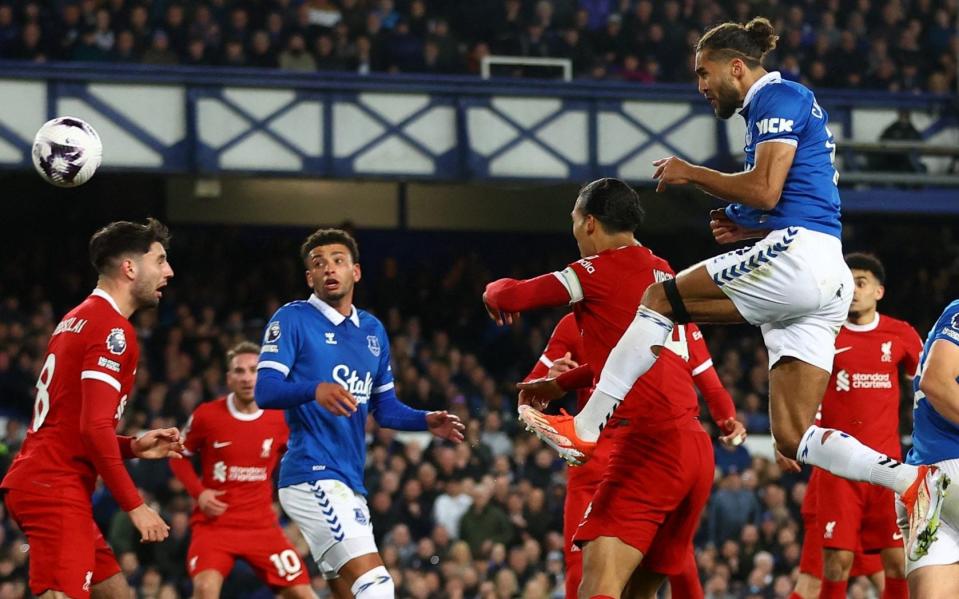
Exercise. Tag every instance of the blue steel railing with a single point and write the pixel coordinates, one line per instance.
(456, 128)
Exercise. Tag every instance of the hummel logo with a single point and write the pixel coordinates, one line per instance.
(839, 350)
(330, 338)
(219, 444)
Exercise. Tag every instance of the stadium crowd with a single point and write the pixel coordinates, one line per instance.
(896, 45)
(481, 519)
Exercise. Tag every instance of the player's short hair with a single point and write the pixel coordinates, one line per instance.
(243, 347)
(749, 42)
(867, 262)
(613, 203)
(121, 238)
(327, 237)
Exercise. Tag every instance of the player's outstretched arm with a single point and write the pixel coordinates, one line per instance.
(938, 382)
(505, 298)
(390, 412)
(759, 187)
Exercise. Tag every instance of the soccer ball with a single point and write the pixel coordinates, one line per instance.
(66, 151)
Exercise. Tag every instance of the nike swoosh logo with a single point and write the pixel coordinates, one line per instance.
(839, 350)
(219, 444)
(897, 536)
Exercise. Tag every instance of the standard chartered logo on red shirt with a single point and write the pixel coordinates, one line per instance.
(846, 381)
(243, 474)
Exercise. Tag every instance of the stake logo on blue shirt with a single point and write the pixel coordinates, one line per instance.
(785, 112)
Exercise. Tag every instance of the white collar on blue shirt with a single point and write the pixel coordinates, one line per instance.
(331, 313)
(770, 77)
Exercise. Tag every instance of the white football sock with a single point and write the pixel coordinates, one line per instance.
(844, 456)
(631, 358)
(374, 584)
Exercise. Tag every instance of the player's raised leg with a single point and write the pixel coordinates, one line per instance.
(792, 282)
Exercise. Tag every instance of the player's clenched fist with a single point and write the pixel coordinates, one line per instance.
(336, 399)
(151, 526)
(726, 231)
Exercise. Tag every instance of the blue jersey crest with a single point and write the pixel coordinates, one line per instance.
(934, 438)
(309, 341)
(787, 112)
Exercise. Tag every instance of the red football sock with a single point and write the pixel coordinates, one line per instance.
(896, 588)
(795, 596)
(833, 589)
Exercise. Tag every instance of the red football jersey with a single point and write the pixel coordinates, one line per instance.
(238, 453)
(863, 394)
(93, 342)
(606, 291)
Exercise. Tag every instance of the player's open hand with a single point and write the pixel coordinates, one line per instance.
(734, 433)
(336, 399)
(151, 526)
(209, 504)
(561, 365)
(445, 426)
(158, 444)
(671, 171)
(539, 392)
(726, 231)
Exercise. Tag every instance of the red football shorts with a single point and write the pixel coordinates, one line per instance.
(655, 489)
(852, 515)
(267, 550)
(67, 551)
(811, 562)
(581, 484)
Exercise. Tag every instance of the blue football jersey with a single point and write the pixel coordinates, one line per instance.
(934, 438)
(309, 341)
(787, 112)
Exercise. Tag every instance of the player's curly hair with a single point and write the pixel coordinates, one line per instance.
(327, 237)
(121, 238)
(867, 262)
(613, 203)
(749, 42)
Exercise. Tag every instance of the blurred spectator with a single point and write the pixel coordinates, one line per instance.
(296, 58)
(159, 51)
(901, 129)
(484, 523)
(733, 505)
